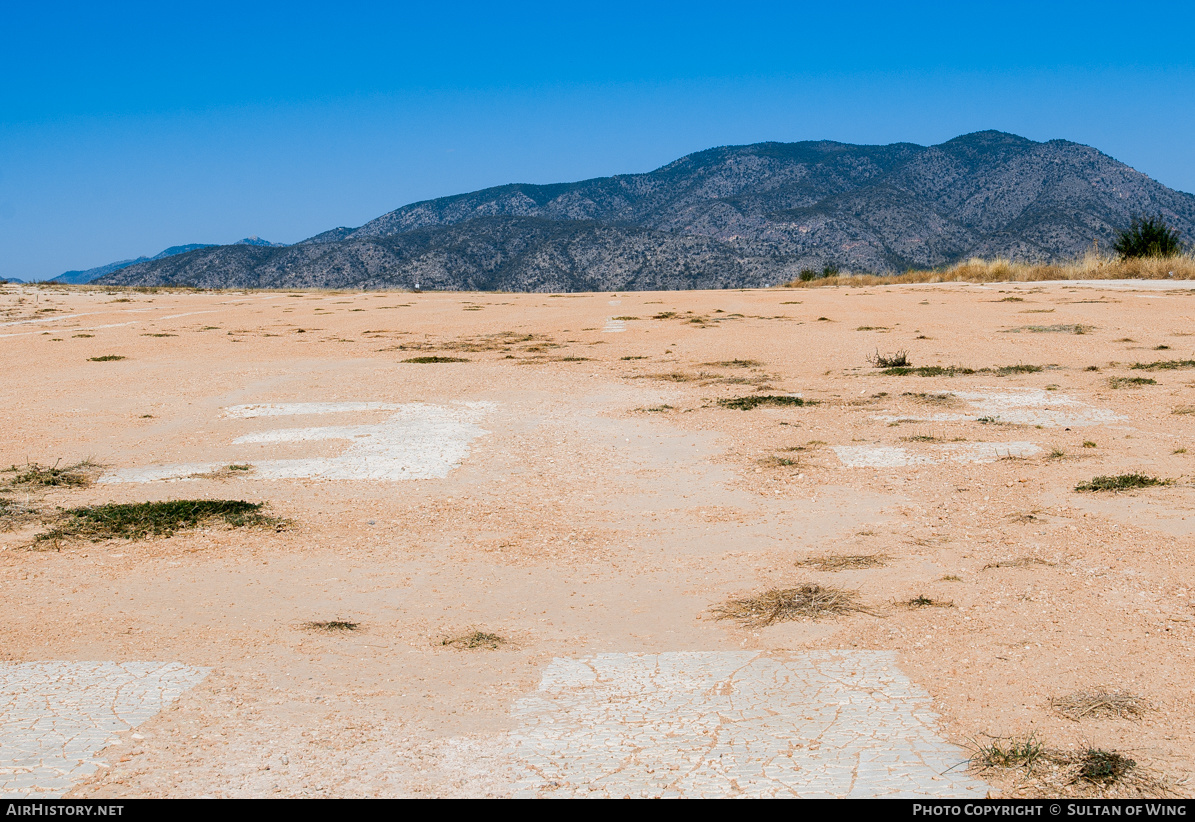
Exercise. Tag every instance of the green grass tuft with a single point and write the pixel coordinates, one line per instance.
(426, 360)
(106, 358)
(1121, 482)
(748, 403)
(138, 520)
(1130, 382)
(1163, 365)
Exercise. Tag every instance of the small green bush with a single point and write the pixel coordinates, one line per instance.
(1148, 237)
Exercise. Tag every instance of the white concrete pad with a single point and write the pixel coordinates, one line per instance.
(737, 723)
(55, 717)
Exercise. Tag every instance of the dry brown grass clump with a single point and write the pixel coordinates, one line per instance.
(14, 514)
(1023, 562)
(335, 626)
(1089, 267)
(1099, 702)
(922, 601)
(475, 640)
(32, 474)
(840, 562)
(809, 601)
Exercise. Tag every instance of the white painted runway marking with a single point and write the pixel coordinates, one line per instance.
(887, 456)
(737, 723)
(1021, 406)
(614, 326)
(417, 441)
(55, 717)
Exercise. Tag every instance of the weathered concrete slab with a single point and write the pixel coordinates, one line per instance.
(717, 724)
(55, 717)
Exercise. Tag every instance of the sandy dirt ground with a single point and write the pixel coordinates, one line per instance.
(575, 486)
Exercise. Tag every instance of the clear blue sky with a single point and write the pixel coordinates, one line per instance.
(124, 130)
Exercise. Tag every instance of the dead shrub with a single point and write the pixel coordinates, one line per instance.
(810, 601)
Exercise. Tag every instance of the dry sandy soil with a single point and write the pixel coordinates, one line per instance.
(575, 487)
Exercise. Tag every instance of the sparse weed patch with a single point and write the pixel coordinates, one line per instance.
(13, 513)
(335, 626)
(106, 358)
(1008, 753)
(160, 519)
(844, 562)
(1054, 329)
(633, 358)
(1097, 703)
(1130, 382)
(1121, 482)
(427, 360)
(897, 359)
(780, 462)
(734, 364)
(748, 403)
(1102, 767)
(1163, 365)
(77, 475)
(958, 370)
(933, 399)
(672, 376)
(475, 640)
(784, 604)
(922, 601)
(1089, 444)
(1023, 562)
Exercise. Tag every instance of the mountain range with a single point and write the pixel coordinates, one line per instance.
(734, 216)
(90, 274)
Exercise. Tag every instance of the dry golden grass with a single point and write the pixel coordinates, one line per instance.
(784, 604)
(840, 562)
(1119, 704)
(1089, 267)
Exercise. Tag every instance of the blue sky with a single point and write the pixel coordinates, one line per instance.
(127, 129)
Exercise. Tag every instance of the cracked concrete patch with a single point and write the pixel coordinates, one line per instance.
(889, 456)
(55, 717)
(738, 723)
(417, 441)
